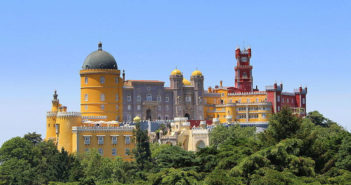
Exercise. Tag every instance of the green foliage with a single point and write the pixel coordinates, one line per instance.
(142, 152)
(312, 150)
(172, 176)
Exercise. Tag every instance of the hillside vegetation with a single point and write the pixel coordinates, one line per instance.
(312, 150)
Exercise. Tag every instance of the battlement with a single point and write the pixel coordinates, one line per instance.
(51, 114)
(68, 114)
(247, 93)
(103, 129)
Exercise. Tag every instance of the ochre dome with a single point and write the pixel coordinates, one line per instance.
(196, 73)
(100, 59)
(136, 119)
(176, 72)
(186, 82)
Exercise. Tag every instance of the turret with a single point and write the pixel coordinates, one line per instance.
(51, 118)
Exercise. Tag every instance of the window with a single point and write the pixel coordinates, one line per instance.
(102, 97)
(166, 117)
(159, 108)
(167, 108)
(102, 79)
(129, 117)
(303, 101)
(167, 99)
(139, 98)
(159, 117)
(283, 100)
(138, 107)
(241, 116)
(239, 100)
(222, 94)
(114, 151)
(148, 97)
(129, 107)
(86, 150)
(116, 80)
(86, 97)
(253, 116)
(116, 107)
(148, 88)
(114, 140)
(100, 140)
(248, 100)
(102, 107)
(116, 97)
(86, 80)
(159, 98)
(129, 98)
(127, 151)
(278, 99)
(278, 108)
(257, 100)
(127, 140)
(86, 107)
(188, 98)
(263, 115)
(101, 152)
(86, 140)
(287, 100)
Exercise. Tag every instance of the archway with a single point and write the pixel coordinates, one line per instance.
(187, 115)
(148, 114)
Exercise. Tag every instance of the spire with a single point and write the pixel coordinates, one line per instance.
(100, 46)
(55, 95)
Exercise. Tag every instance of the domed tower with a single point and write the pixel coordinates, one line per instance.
(101, 87)
(197, 79)
(176, 81)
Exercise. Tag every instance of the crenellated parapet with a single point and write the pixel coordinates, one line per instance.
(68, 114)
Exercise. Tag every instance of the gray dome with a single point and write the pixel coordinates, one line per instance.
(100, 60)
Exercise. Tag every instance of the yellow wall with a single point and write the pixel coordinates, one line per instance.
(107, 146)
(113, 108)
(221, 104)
(66, 120)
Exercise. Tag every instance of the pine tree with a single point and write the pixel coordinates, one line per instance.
(142, 152)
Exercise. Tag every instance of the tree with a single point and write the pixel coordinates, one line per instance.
(172, 176)
(282, 125)
(142, 152)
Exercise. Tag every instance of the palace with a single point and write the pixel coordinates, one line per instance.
(109, 103)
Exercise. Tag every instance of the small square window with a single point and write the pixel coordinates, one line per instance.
(114, 151)
(101, 152)
(102, 79)
(87, 140)
(127, 140)
(100, 140)
(114, 140)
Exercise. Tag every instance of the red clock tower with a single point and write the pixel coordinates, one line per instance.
(243, 70)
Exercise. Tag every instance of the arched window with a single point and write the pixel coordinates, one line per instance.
(86, 97)
(102, 97)
(86, 80)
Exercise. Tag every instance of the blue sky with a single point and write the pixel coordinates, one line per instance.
(44, 43)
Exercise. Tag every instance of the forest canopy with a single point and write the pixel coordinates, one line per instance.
(292, 150)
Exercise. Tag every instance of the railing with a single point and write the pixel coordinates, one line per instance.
(247, 93)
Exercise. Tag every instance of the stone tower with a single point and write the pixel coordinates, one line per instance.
(243, 70)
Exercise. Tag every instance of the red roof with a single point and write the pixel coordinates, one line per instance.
(196, 123)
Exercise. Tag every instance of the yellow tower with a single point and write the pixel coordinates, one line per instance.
(65, 121)
(101, 87)
(51, 119)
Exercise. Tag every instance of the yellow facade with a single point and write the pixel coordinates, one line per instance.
(250, 107)
(101, 94)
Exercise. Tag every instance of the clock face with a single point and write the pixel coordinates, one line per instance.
(244, 59)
